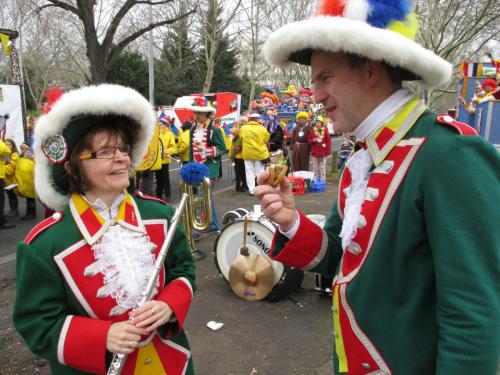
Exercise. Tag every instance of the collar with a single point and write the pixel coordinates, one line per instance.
(390, 133)
(382, 113)
(92, 225)
(102, 209)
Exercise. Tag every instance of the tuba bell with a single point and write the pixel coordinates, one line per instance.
(198, 213)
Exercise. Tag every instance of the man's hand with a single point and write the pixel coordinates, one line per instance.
(278, 203)
(123, 338)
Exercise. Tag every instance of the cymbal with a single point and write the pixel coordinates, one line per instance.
(251, 277)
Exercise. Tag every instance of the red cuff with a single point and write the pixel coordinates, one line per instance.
(304, 248)
(178, 295)
(82, 344)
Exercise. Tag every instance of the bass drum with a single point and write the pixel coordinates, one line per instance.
(259, 236)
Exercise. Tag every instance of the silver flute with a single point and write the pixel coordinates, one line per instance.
(119, 359)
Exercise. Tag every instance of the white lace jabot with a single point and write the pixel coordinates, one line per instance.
(124, 257)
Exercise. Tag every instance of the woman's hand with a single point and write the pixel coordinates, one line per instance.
(123, 338)
(151, 315)
(278, 203)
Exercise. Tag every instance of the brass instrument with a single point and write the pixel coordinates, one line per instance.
(198, 213)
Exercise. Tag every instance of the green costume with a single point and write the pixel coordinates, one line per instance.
(213, 145)
(60, 310)
(86, 267)
(417, 289)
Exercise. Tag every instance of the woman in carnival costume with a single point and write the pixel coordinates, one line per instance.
(81, 272)
(321, 146)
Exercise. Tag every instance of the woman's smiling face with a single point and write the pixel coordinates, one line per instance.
(106, 176)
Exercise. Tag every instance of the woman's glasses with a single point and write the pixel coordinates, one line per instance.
(106, 153)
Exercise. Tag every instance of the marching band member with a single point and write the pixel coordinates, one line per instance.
(4, 157)
(236, 155)
(10, 176)
(413, 238)
(183, 141)
(168, 148)
(206, 144)
(254, 139)
(81, 272)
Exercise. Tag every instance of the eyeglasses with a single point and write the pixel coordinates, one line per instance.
(106, 153)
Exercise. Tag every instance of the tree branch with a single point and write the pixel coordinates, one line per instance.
(115, 22)
(59, 4)
(153, 3)
(122, 44)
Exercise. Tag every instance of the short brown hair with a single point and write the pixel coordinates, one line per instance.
(113, 127)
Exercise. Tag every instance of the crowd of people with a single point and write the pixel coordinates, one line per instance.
(412, 241)
(249, 144)
(17, 168)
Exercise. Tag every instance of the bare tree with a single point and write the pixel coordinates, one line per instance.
(47, 47)
(212, 32)
(261, 18)
(101, 46)
(456, 31)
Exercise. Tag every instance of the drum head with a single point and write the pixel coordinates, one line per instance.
(259, 237)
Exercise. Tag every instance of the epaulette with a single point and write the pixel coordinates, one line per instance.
(41, 226)
(149, 197)
(460, 127)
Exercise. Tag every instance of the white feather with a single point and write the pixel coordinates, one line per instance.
(357, 10)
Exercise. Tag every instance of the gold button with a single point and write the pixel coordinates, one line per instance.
(147, 361)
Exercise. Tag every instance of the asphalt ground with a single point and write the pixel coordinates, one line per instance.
(292, 336)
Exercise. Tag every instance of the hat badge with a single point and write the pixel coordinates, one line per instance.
(55, 148)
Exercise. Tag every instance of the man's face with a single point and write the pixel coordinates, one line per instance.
(200, 117)
(340, 89)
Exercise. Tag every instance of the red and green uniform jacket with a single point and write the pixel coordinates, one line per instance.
(57, 310)
(214, 149)
(418, 291)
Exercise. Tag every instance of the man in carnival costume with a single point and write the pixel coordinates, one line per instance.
(206, 143)
(81, 272)
(413, 237)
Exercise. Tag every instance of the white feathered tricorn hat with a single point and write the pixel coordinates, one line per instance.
(201, 104)
(70, 118)
(380, 30)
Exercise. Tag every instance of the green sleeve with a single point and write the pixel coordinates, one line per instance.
(40, 305)
(218, 142)
(180, 263)
(461, 208)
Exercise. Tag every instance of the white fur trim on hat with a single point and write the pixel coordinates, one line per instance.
(206, 109)
(339, 34)
(98, 100)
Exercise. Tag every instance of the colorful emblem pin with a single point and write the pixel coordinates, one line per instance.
(56, 149)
